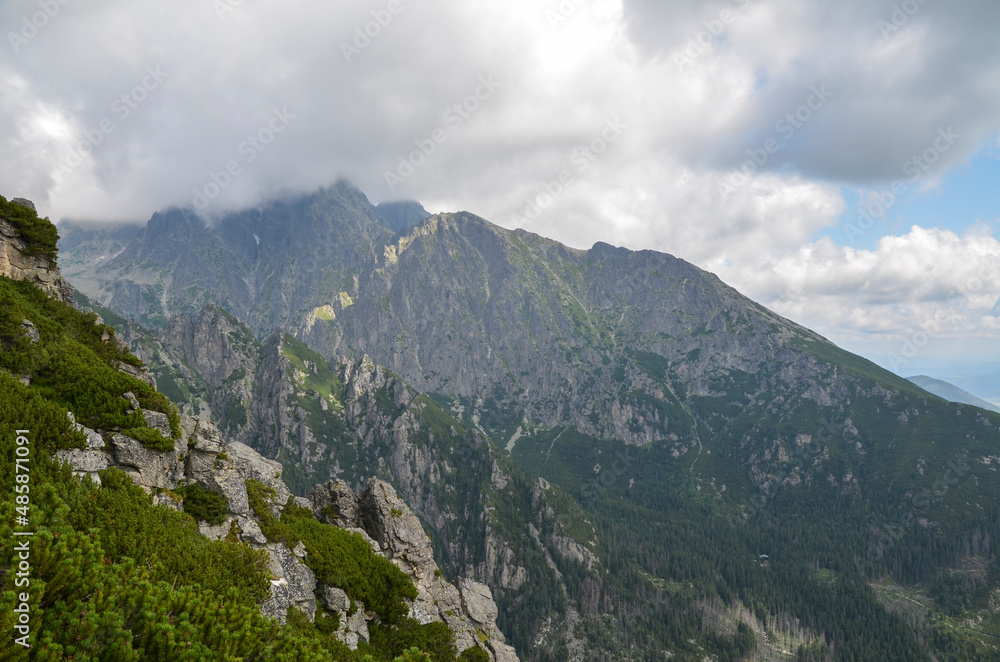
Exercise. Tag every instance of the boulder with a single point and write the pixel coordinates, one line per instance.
(477, 603)
(85, 462)
(391, 523)
(276, 606)
(467, 608)
(158, 421)
(141, 374)
(353, 628)
(335, 503)
(167, 500)
(216, 531)
(231, 485)
(300, 578)
(205, 437)
(148, 467)
(249, 531)
(252, 465)
(29, 330)
(133, 402)
(94, 440)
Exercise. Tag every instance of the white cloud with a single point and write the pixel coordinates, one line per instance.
(928, 282)
(666, 181)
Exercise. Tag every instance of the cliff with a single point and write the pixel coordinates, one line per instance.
(97, 409)
(202, 456)
(26, 256)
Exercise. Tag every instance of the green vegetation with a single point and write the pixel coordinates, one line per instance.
(677, 545)
(203, 505)
(73, 364)
(39, 235)
(114, 577)
(317, 377)
(339, 558)
(474, 655)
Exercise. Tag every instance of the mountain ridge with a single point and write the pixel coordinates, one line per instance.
(645, 436)
(119, 474)
(950, 392)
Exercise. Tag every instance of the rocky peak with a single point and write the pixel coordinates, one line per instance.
(19, 262)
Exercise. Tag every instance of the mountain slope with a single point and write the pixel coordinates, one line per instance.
(699, 476)
(131, 532)
(950, 392)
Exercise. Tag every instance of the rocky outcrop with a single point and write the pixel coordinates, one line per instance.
(353, 625)
(17, 264)
(204, 456)
(345, 420)
(466, 606)
(296, 586)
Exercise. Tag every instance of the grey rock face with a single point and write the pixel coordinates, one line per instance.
(277, 605)
(16, 264)
(252, 465)
(158, 421)
(335, 599)
(139, 373)
(335, 503)
(477, 602)
(206, 438)
(353, 627)
(229, 483)
(24, 202)
(472, 614)
(30, 331)
(301, 580)
(94, 440)
(167, 500)
(85, 463)
(215, 531)
(154, 468)
(132, 401)
(250, 532)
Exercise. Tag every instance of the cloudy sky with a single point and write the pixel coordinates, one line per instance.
(836, 161)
